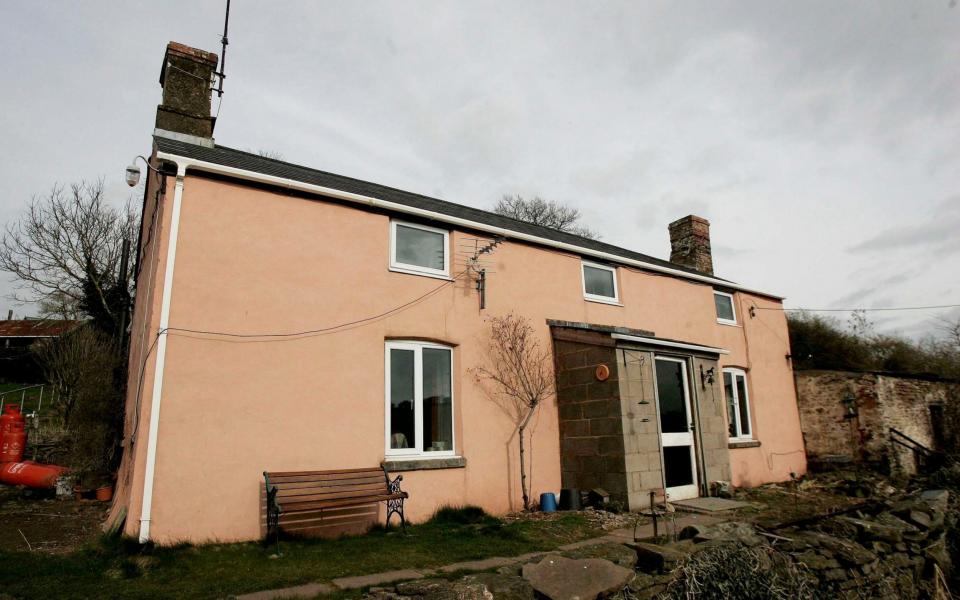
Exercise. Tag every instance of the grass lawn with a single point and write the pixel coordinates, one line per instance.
(121, 569)
(31, 397)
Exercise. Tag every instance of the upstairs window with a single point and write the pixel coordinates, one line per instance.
(419, 399)
(600, 283)
(738, 404)
(419, 249)
(725, 312)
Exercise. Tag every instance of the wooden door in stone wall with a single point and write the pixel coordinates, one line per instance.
(676, 428)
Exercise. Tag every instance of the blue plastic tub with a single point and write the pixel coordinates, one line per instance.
(548, 502)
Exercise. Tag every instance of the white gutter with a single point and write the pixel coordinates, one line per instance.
(668, 344)
(161, 355)
(410, 210)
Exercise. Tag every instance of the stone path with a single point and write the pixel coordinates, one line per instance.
(312, 590)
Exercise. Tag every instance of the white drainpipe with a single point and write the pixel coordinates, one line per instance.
(161, 356)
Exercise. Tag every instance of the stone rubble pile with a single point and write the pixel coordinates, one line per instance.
(889, 552)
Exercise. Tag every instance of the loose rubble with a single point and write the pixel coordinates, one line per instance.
(893, 549)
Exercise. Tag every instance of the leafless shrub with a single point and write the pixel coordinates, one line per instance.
(735, 571)
(517, 376)
(86, 365)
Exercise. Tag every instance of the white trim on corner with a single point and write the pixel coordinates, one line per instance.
(733, 308)
(283, 182)
(667, 344)
(400, 267)
(155, 398)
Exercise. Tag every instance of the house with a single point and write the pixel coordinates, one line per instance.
(17, 364)
(292, 319)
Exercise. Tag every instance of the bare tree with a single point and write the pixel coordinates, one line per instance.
(547, 213)
(517, 375)
(66, 253)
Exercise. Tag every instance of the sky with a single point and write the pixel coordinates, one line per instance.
(821, 139)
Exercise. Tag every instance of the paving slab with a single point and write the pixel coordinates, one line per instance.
(709, 505)
(310, 590)
(478, 565)
(360, 581)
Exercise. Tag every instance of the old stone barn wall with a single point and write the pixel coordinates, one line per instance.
(846, 417)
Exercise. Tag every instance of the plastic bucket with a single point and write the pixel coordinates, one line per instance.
(548, 502)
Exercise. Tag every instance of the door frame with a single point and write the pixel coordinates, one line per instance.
(691, 490)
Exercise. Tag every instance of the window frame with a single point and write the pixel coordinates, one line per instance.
(401, 267)
(417, 450)
(615, 300)
(733, 308)
(734, 373)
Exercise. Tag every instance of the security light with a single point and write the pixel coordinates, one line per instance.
(133, 171)
(133, 175)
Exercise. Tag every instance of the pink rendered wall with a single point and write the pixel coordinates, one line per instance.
(253, 261)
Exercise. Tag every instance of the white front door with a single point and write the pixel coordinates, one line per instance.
(676, 429)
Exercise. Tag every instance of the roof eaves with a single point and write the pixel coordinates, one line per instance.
(244, 165)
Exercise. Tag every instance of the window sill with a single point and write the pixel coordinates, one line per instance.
(728, 323)
(602, 301)
(443, 276)
(744, 444)
(395, 465)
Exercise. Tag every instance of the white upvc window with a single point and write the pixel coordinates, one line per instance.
(419, 399)
(419, 249)
(738, 404)
(599, 283)
(726, 314)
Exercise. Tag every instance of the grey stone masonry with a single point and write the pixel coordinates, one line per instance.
(591, 433)
(713, 431)
(641, 431)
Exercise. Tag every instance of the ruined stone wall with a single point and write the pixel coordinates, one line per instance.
(591, 430)
(848, 415)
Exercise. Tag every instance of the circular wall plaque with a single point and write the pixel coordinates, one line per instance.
(603, 372)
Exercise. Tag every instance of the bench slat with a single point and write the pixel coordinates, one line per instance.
(377, 470)
(285, 500)
(318, 478)
(291, 485)
(305, 506)
(329, 491)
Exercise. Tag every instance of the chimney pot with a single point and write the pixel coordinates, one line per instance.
(187, 79)
(690, 243)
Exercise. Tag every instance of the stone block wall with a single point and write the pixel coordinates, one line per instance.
(714, 435)
(641, 439)
(591, 431)
(846, 416)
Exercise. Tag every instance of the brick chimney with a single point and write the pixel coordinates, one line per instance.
(187, 80)
(690, 243)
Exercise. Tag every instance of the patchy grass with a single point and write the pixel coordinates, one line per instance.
(119, 568)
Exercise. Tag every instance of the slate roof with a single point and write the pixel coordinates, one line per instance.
(35, 327)
(229, 157)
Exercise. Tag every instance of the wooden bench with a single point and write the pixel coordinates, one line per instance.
(319, 502)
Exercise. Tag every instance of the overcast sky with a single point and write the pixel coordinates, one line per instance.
(821, 140)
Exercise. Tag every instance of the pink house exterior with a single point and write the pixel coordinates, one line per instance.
(290, 319)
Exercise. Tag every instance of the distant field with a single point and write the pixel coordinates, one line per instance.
(31, 397)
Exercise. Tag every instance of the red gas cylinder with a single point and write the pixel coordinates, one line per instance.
(11, 414)
(12, 443)
(30, 474)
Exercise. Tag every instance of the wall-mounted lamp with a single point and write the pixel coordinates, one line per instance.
(707, 377)
(133, 171)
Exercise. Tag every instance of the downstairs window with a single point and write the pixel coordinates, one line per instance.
(419, 399)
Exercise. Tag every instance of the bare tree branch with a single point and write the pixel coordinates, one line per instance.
(66, 251)
(545, 213)
(517, 376)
